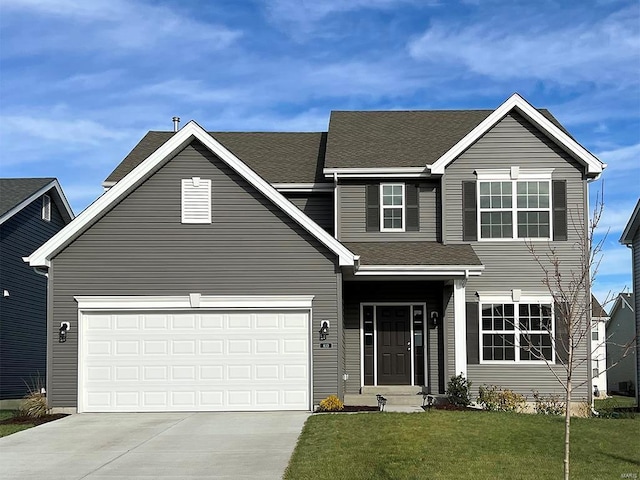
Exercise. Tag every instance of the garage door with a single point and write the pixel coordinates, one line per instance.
(194, 360)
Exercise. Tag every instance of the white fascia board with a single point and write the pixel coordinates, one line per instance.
(384, 172)
(426, 270)
(209, 302)
(186, 134)
(303, 187)
(593, 165)
(632, 226)
(51, 185)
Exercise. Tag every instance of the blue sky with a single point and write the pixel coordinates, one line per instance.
(82, 81)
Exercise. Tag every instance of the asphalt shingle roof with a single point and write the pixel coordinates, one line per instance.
(15, 190)
(276, 157)
(399, 138)
(413, 253)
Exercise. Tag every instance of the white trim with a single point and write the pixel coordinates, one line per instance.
(594, 167)
(303, 187)
(627, 238)
(207, 302)
(392, 207)
(502, 297)
(460, 327)
(49, 186)
(42, 256)
(506, 174)
(428, 270)
(378, 172)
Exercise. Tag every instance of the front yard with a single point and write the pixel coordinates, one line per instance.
(447, 444)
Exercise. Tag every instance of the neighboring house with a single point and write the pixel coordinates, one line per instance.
(631, 238)
(266, 271)
(621, 352)
(599, 319)
(32, 210)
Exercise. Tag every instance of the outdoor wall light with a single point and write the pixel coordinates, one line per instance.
(434, 319)
(324, 330)
(62, 332)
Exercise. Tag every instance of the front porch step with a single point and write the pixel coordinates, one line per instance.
(392, 390)
(395, 395)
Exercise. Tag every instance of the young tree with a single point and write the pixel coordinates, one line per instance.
(570, 288)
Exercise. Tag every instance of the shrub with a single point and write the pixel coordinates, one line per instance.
(34, 404)
(459, 390)
(550, 405)
(331, 404)
(495, 399)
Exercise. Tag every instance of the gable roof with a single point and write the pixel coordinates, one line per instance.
(596, 309)
(593, 166)
(17, 193)
(191, 131)
(632, 226)
(275, 156)
(623, 300)
(399, 139)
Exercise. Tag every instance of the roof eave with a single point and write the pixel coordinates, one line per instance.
(631, 227)
(66, 211)
(593, 166)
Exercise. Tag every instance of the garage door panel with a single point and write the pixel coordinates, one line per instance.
(195, 361)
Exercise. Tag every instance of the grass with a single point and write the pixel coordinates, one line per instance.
(478, 445)
(614, 402)
(11, 428)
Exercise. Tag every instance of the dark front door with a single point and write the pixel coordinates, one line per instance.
(394, 345)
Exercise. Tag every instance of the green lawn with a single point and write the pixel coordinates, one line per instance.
(9, 429)
(446, 444)
(614, 401)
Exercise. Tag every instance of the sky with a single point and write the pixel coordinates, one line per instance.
(82, 81)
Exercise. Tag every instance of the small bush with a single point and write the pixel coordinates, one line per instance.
(495, 399)
(34, 404)
(550, 405)
(331, 404)
(459, 390)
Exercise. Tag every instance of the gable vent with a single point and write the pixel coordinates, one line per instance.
(196, 200)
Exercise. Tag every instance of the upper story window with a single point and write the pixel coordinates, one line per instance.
(392, 203)
(514, 204)
(46, 208)
(392, 207)
(196, 200)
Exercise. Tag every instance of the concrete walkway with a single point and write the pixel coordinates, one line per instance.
(154, 445)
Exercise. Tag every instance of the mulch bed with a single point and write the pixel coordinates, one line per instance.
(451, 406)
(353, 408)
(23, 420)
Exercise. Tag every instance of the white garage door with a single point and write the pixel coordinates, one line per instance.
(194, 361)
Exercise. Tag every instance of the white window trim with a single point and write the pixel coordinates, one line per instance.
(524, 299)
(46, 208)
(514, 175)
(196, 182)
(383, 207)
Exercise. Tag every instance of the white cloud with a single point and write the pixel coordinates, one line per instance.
(606, 52)
(107, 24)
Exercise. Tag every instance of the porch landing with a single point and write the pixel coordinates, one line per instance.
(396, 395)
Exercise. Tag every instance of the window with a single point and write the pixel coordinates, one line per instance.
(196, 200)
(46, 208)
(594, 335)
(523, 204)
(595, 370)
(516, 332)
(392, 206)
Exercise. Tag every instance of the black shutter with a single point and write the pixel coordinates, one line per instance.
(561, 333)
(473, 333)
(373, 208)
(469, 215)
(559, 199)
(412, 209)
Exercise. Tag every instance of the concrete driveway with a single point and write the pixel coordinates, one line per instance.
(154, 445)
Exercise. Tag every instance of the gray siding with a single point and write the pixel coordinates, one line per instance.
(141, 248)
(509, 264)
(620, 332)
(317, 206)
(23, 314)
(352, 214)
(636, 291)
(381, 292)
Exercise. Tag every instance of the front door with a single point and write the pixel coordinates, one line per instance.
(394, 345)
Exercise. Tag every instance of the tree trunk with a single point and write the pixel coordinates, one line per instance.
(567, 414)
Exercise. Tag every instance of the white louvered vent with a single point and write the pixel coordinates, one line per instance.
(196, 200)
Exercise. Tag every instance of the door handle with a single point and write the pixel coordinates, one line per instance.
(409, 346)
